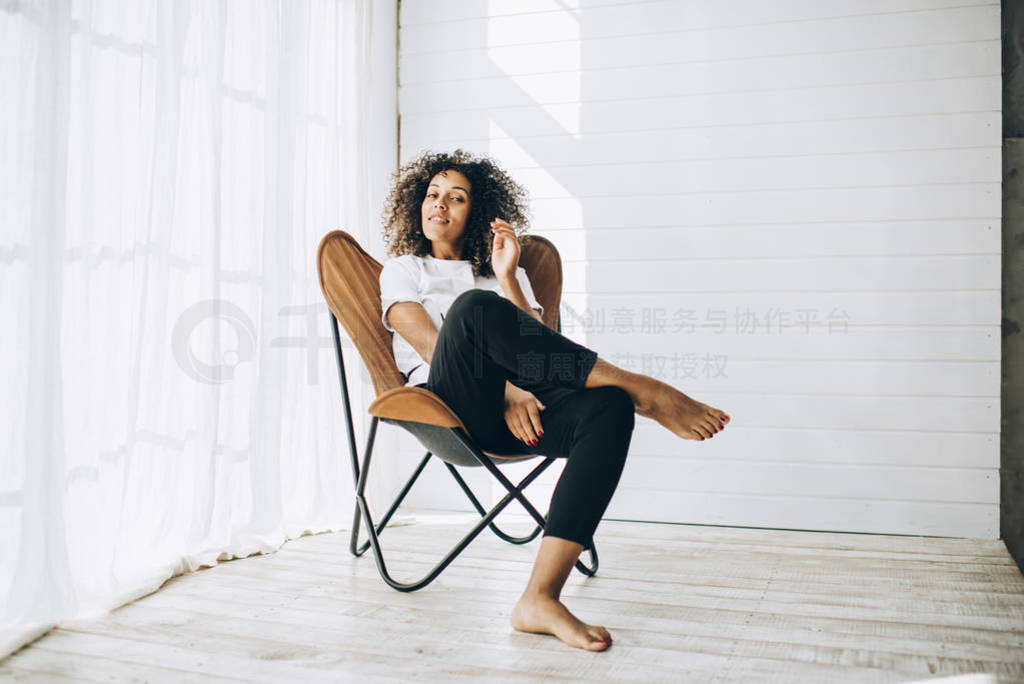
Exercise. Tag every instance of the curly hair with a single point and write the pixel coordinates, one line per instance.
(492, 193)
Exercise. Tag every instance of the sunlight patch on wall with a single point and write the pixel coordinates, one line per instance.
(533, 73)
(527, 170)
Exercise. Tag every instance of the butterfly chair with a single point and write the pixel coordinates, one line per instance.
(349, 279)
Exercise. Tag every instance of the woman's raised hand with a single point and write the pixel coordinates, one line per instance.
(504, 250)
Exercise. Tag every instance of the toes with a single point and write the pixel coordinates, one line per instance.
(596, 642)
(712, 427)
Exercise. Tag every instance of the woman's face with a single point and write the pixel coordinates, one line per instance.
(445, 208)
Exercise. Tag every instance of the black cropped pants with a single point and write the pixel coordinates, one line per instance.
(485, 340)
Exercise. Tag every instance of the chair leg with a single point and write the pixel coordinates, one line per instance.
(592, 569)
(516, 491)
(359, 551)
(480, 509)
(374, 530)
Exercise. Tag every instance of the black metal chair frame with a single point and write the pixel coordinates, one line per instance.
(438, 440)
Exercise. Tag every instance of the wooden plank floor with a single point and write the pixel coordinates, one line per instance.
(683, 603)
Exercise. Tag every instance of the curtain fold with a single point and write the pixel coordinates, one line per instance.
(168, 169)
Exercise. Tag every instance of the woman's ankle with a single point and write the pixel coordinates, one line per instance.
(640, 388)
(540, 593)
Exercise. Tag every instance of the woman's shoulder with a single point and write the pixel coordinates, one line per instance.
(408, 262)
(401, 272)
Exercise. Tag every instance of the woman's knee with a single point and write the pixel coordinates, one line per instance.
(613, 406)
(471, 304)
(472, 296)
(475, 307)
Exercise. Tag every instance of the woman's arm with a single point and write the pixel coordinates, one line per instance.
(412, 322)
(514, 293)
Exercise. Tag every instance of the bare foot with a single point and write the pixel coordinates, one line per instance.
(686, 417)
(541, 614)
(655, 399)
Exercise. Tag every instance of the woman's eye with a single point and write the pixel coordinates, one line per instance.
(456, 198)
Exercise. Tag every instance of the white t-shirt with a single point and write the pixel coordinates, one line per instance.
(434, 283)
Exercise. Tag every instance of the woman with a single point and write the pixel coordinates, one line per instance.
(469, 330)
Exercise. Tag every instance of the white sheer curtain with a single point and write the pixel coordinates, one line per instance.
(167, 169)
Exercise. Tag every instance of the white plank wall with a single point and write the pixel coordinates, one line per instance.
(789, 210)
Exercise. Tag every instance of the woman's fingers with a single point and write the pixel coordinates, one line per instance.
(526, 423)
(513, 427)
(534, 413)
(502, 237)
(502, 228)
(504, 246)
(501, 232)
(525, 429)
(523, 420)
